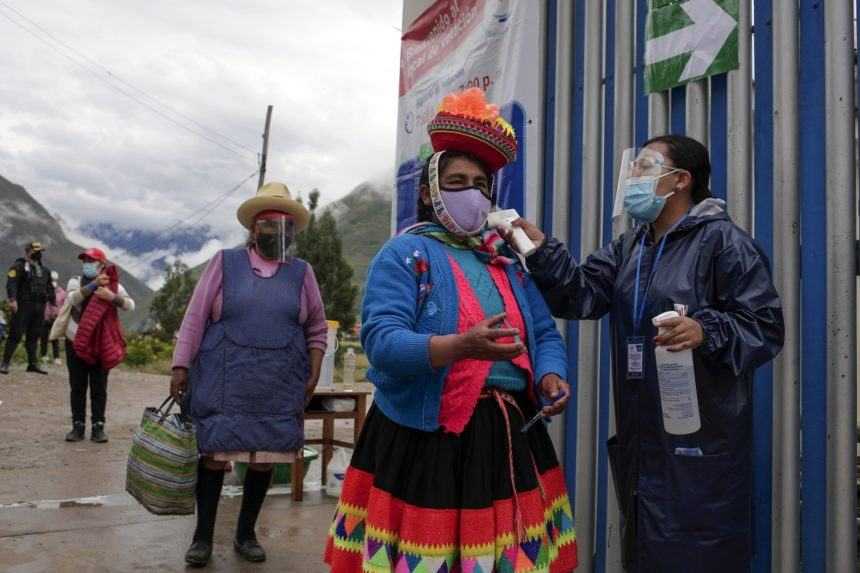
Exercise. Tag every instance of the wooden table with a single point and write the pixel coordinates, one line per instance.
(315, 411)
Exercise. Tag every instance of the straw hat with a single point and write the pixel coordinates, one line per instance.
(272, 197)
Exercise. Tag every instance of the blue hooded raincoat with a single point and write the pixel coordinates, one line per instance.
(686, 501)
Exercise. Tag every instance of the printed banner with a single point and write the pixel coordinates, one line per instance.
(456, 44)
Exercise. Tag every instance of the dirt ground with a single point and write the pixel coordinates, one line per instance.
(63, 506)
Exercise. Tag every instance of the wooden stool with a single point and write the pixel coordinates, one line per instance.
(359, 396)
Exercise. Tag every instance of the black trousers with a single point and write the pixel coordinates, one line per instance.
(43, 341)
(26, 322)
(82, 376)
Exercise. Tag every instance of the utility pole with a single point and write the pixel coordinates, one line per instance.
(265, 147)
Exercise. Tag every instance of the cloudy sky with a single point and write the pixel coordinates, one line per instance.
(91, 154)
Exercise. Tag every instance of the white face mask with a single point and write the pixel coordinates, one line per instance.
(462, 212)
(468, 208)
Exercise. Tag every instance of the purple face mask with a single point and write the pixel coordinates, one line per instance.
(468, 208)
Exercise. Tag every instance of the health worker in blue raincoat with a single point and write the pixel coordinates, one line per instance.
(686, 500)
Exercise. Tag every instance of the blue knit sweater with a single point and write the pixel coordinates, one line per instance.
(411, 296)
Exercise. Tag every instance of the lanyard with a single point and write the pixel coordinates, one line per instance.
(639, 310)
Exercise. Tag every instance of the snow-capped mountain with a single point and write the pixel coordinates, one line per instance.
(149, 253)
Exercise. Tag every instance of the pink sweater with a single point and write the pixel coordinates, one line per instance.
(207, 301)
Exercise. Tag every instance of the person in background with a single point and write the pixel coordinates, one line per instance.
(247, 361)
(28, 290)
(52, 309)
(81, 291)
(685, 500)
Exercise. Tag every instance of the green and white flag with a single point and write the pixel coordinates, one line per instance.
(688, 40)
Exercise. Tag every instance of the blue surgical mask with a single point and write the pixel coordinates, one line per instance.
(641, 200)
(90, 270)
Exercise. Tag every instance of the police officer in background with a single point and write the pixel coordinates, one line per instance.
(29, 289)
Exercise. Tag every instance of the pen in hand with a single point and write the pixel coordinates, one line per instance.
(539, 416)
(535, 419)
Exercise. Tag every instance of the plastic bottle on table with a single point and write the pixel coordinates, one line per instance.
(677, 378)
(349, 369)
(327, 369)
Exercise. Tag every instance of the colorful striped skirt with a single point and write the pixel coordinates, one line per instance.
(439, 502)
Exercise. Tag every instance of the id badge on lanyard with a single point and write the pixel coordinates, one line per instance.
(636, 344)
(635, 357)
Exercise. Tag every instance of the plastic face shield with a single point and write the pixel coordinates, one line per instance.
(636, 162)
(274, 234)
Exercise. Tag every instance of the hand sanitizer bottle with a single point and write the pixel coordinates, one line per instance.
(677, 379)
(349, 370)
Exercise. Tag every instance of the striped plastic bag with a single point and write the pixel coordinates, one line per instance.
(162, 465)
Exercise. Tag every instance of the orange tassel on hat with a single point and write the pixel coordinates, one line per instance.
(470, 103)
(467, 122)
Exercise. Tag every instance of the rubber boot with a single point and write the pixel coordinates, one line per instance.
(209, 483)
(254, 494)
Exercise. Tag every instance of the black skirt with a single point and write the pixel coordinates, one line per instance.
(438, 501)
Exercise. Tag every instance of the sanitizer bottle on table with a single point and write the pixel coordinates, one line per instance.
(677, 379)
(349, 369)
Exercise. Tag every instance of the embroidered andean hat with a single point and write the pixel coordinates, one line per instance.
(466, 122)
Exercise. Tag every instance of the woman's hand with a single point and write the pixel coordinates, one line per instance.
(554, 390)
(480, 342)
(102, 280)
(105, 294)
(310, 388)
(178, 383)
(536, 235)
(685, 334)
(316, 357)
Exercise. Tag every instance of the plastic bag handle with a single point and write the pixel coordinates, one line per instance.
(169, 402)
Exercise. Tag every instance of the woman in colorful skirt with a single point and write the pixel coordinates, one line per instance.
(463, 353)
(249, 354)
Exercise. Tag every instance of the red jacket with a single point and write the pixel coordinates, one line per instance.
(99, 337)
